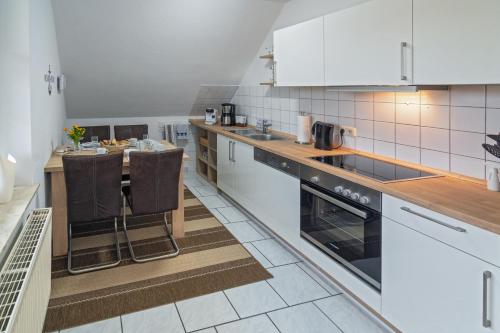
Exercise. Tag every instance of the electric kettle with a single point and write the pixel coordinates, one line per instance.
(323, 135)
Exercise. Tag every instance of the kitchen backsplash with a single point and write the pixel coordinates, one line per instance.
(440, 129)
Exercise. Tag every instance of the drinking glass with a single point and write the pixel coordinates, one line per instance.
(95, 140)
(145, 136)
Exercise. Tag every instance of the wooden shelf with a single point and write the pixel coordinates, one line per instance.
(203, 160)
(204, 142)
(269, 83)
(267, 56)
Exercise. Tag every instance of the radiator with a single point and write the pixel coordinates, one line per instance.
(25, 276)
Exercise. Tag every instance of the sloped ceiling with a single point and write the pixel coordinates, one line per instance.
(126, 58)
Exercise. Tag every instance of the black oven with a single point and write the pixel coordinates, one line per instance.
(343, 220)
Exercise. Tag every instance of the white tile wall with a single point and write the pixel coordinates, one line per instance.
(440, 129)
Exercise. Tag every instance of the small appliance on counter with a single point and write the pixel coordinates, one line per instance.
(228, 114)
(241, 121)
(304, 123)
(210, 116)
(323, 135)
(492, 177)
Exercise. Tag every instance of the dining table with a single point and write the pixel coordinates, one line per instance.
(56, 198)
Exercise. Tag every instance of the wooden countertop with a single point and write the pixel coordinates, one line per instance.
(54, 164)
(463, 198)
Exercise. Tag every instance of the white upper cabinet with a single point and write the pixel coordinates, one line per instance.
(370, 44)
(299, 54)
(457, 41)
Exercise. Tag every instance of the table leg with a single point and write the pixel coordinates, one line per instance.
(59, 215)
(178, 214)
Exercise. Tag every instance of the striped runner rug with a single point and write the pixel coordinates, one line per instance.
(210, 260)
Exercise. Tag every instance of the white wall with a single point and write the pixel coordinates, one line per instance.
(153, 123)
(48, 113)
(31, 121)
(129, 58)
(15, 114)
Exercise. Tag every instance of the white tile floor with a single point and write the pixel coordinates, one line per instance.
(298, 299)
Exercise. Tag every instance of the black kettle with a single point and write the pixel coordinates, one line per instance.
(323, 135)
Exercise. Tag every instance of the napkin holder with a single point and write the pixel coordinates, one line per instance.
(7, 177)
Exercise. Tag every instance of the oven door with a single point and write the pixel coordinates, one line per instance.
(345, 230)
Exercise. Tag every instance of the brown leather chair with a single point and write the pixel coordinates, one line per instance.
(103, 132)
(93, 189)
(154, 189)
(125, 132)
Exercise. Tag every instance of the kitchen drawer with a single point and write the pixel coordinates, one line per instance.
(465, 237)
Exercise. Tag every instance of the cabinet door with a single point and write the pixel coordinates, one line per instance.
(244, 175)
(223, 163)
(428, 286)
(299, 54)
(456, 41)
(278, 202)
(363, 44)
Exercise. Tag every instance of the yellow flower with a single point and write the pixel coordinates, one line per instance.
(65, 129)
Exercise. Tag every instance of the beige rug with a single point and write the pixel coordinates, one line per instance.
(210, 260)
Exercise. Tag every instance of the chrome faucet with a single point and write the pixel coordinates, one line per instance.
(265, 126)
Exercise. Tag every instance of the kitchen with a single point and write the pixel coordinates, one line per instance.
(339, 169)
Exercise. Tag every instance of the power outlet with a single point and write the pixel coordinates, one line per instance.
(350, 131)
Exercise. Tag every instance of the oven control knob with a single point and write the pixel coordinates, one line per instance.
(338, 189)
(364, 200)
(315, 179)
(284, 165)
(355, 196)
(346, 192)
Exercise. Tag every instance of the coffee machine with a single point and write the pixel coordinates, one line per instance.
(228, 114)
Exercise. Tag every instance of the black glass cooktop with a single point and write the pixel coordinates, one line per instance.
(373, 168)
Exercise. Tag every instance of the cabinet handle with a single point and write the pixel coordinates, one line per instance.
(230, 142)
(234, 159)
(486, 277)
(403, 61)
(444, 224)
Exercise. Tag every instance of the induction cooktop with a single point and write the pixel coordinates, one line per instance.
(379, 170)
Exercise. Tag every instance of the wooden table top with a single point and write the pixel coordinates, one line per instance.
(460, 197)
(54, 164)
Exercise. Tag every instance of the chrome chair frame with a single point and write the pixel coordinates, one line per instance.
(131, 248)
(99, 267)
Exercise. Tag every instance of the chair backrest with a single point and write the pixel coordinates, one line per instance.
(154, 181)
(124, 132)
(103, 132)
(93, 186)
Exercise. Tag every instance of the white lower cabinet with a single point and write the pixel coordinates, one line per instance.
(235, 170)
(272, 196)
(278, 202)
(225, 180)
(429, 286)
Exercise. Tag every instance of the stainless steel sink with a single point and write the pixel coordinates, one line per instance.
(256, 135)
(265, 137)
(244, 132)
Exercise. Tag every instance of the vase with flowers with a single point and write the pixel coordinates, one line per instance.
(75, 133)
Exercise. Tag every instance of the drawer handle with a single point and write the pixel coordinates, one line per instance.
(444, 224)
(486, 277)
